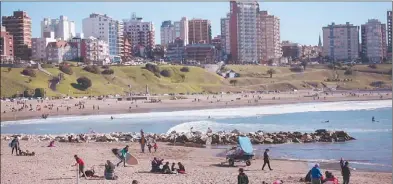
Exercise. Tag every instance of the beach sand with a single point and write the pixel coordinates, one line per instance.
(53, 165)
(112, 106)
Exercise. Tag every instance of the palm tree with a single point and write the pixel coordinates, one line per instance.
(271, 71)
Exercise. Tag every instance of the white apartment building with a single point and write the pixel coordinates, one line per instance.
(95, 50)
(104, 28)
(38, 46)
(139, 33)
(341, 42)
(167, 33)
(244, 31)
(269, 43)
(373, 35)
(63, 28)
(181, 29)
(225, 37)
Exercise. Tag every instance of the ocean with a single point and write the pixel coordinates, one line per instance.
(371, 151)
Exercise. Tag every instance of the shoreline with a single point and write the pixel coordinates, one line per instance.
(114, 107)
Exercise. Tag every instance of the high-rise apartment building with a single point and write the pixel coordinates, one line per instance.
(63, 28)
(107, 29)
(6, 45)
(19, 26)
(181, 29)
(243, 31)
(140, 33)
(373, 35)
(225, 37)
(167, 33)
(269, 44)
(389, 21)
(199, 31)
(341, 42)
(291, 50)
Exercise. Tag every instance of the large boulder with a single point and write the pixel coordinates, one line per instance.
(268, 141)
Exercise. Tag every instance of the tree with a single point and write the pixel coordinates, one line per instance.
(108, 72)
(39, 92)
(271, 71)
(304, 64)
(233, 82)
(184, 69)
(9, 69)
(29, 72)
(84, 82)
(165, 73)
(92, 69)
(66, 69)
(27, 93)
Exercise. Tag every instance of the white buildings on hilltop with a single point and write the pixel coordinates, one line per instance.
(63, 28)
(139, 33)
(38, 45)
(95, 50)
(225, 37)
(167, 33)
(181, 29)
(107, 29)
(269, 44)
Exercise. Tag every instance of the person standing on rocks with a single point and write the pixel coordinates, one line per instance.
(242, 178)
(266, 159)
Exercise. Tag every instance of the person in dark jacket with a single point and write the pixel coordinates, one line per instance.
(142, 141)
(346, 172)
(266, 159)
(242, 178)
(15, 145)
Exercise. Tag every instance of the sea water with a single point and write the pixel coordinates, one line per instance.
(372, 150)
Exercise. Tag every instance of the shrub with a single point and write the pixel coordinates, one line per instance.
(233, 82)
(105, 67)
(152, 68)
(108, 72)
(184, 69)
(66, 69)
(183, 77)
(39, 92)
(165, 73)
(27, 93)
(348, 71)
(29, 72)
(84, 82)
(377, 84)
(92, 69)
(297, 69)
(271, 71)
(373, 66)
(9, 69)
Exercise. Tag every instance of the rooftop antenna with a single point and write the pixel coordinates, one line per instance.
(133, 16)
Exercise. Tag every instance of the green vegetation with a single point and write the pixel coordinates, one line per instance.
(134, 79)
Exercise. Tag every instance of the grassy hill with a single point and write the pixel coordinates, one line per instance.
(196, 80)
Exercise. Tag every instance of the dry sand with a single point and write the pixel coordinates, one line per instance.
(53, 165)
(112, 106)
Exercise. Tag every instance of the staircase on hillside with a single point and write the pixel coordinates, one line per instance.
(43, 70)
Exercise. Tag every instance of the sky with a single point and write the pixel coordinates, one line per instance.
(301, 22)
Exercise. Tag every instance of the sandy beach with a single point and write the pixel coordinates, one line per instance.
(113, 106)
(53, 165)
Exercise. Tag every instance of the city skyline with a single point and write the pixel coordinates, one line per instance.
(307, 24)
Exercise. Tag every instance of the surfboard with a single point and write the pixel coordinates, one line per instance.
(130, 160)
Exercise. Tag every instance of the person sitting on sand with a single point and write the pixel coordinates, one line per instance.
(155, 165)
(166, 169)
(109, 172)
(242, 178)
(316, 175)
(134, 182)
(52, 143)
(182, 169)
(173, 167)
(330, 179)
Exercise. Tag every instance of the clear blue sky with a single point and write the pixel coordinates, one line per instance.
(301, 22)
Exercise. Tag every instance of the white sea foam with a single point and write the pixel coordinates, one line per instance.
(197, 115)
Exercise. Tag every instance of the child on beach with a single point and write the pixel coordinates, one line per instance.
(242, 178)
(81, 165)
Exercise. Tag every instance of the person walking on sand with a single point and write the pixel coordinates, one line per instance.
(346, 172)
(81, 165)
(123, 153)
(242, 178)
(14, 145)
(142, 141)
(316, 175)
(266, 159)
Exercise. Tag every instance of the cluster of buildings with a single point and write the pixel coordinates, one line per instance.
(248, 36)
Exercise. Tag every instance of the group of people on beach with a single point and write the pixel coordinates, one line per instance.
(166, 169)
(315, 175)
